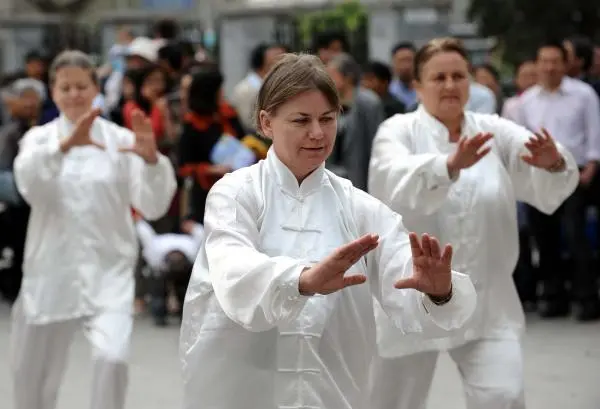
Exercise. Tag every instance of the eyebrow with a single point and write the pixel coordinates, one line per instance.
(331, 111)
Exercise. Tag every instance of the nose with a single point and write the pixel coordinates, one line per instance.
(315, 131)
(449, 83)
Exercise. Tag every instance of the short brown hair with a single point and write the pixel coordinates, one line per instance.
(436, 46)
(292, 75)
(72, 58)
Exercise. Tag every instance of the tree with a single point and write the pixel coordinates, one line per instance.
(520, 25)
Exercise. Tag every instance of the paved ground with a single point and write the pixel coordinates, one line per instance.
(562, 369)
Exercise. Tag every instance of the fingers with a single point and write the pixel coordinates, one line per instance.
(528, 159)
(478, 141)
(547, 135)
(406, 283)
(436, 251)
(426, 245)
(357, 248)
(482, 153)
(415, 245)
(447, 255)
(355, 279)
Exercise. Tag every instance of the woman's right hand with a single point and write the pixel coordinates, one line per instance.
(328, 276)
(81, 133)
(468, 153)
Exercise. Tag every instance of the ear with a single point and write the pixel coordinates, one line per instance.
(265, 124)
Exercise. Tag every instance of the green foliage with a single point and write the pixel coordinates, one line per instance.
(346, 16)
(520, 25)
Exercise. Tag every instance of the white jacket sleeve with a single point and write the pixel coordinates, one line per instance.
(407, 182)
(38, 165)
(410, 310)
(542, 189)
(256, 291)
(151, 187)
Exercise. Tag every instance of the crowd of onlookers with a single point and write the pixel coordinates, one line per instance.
(180, 88)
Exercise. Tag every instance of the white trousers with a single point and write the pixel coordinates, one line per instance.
(39, 357)
(491, 370)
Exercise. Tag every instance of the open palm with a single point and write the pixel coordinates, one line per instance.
(145, 142)
(432, 273)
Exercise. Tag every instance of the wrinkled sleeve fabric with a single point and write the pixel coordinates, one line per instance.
(544, 190)
(38, 165)
(256, 291)
(406, 182)
(151, 186)
(409, 310)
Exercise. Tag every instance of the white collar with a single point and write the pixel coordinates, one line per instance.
(288, 182)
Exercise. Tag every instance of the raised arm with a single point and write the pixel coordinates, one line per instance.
(543, 173)
(405, 181)
(410, 277)
(41, 152)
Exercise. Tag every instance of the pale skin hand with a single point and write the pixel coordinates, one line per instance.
(81, 133)
(543, 152)
(468, 152)
(145, 143)
(431, 268)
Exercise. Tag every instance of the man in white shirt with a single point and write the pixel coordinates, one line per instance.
(244, 95)
(569, 109)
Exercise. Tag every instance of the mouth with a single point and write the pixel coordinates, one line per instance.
(314, 149)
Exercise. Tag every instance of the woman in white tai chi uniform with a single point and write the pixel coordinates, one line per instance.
(81, 175)
(270, 318)
(458, 175)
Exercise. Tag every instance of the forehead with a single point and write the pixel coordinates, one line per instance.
(73, 73)
(404, 53)
(550, 52)
(29, 93)
(310, 102)
(446, 61)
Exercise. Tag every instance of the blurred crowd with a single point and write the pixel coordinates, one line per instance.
(180, 88)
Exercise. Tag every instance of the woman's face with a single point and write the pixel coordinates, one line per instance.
(443, 87)
(303, 131)
(74, 91)
(153, 86)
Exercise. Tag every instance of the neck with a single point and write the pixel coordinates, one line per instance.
(454, 127)
(551, 87)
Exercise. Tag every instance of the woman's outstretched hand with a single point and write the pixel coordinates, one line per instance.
(432, 273)
(329, 276)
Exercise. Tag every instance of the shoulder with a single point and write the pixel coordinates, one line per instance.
(366, 97)
(530, 94)
(239, 184)
(397, 125)
(580, 87)
(41, 133)
(481, 91)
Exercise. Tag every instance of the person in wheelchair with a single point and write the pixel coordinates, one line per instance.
(169, 260)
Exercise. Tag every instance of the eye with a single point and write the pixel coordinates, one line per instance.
(327, 119)
(300, 121)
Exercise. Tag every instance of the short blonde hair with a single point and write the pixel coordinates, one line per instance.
(292, 75)
(437, 46)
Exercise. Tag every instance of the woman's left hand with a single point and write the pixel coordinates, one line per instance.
(432, 273)
(543, 151)
(145, 142)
